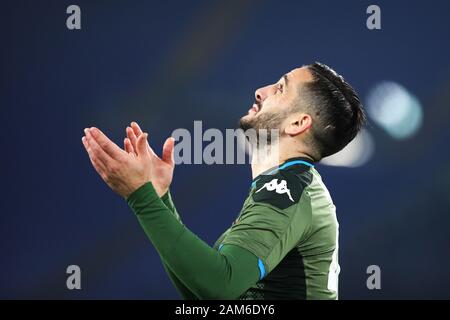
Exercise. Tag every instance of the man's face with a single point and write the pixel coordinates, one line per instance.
(273, 102)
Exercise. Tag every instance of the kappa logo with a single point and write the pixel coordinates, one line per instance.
(280, 188)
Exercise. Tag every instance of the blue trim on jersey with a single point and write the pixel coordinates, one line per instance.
(284, 166)
(262, 269)
(291, 163)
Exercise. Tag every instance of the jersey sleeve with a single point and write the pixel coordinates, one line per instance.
(184, 291)
(206, 272)
(167, 200)
(270, 227)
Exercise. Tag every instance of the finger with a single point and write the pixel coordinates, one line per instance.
(132, 136)
(142, 148)
(96, 163)
(107, 145)
(137, 130)
(128, 147)
(95, 150)
(167, 153)
(95, 160)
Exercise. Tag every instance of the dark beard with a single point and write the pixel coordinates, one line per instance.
(263, 122)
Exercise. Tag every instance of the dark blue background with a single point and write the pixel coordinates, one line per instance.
(168, 63)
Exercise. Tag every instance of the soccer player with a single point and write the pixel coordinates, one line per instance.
(284, 243)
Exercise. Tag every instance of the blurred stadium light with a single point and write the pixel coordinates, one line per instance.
(394, 109)
(355, 154)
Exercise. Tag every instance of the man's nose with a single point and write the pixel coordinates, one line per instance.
(261, 94)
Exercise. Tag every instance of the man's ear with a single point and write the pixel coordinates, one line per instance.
(299, 123)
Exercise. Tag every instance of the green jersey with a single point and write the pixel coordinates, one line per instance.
(289, 222)
(283, 245)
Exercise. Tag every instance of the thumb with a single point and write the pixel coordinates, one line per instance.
(141, 144)
(167, 153)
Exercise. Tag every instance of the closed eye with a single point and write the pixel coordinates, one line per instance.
(280, 87)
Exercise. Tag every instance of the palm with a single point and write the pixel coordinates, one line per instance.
(162, 172)
(161, 168)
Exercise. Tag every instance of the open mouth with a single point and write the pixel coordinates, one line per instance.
(254, 109)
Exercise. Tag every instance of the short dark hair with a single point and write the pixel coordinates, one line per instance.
(335, 108)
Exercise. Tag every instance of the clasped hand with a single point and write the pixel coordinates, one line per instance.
(125, 170)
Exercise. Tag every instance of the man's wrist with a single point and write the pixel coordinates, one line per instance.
(145, 194)
(161, 191)
(165, 196)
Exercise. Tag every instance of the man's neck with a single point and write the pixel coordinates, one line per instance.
(263, 164)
